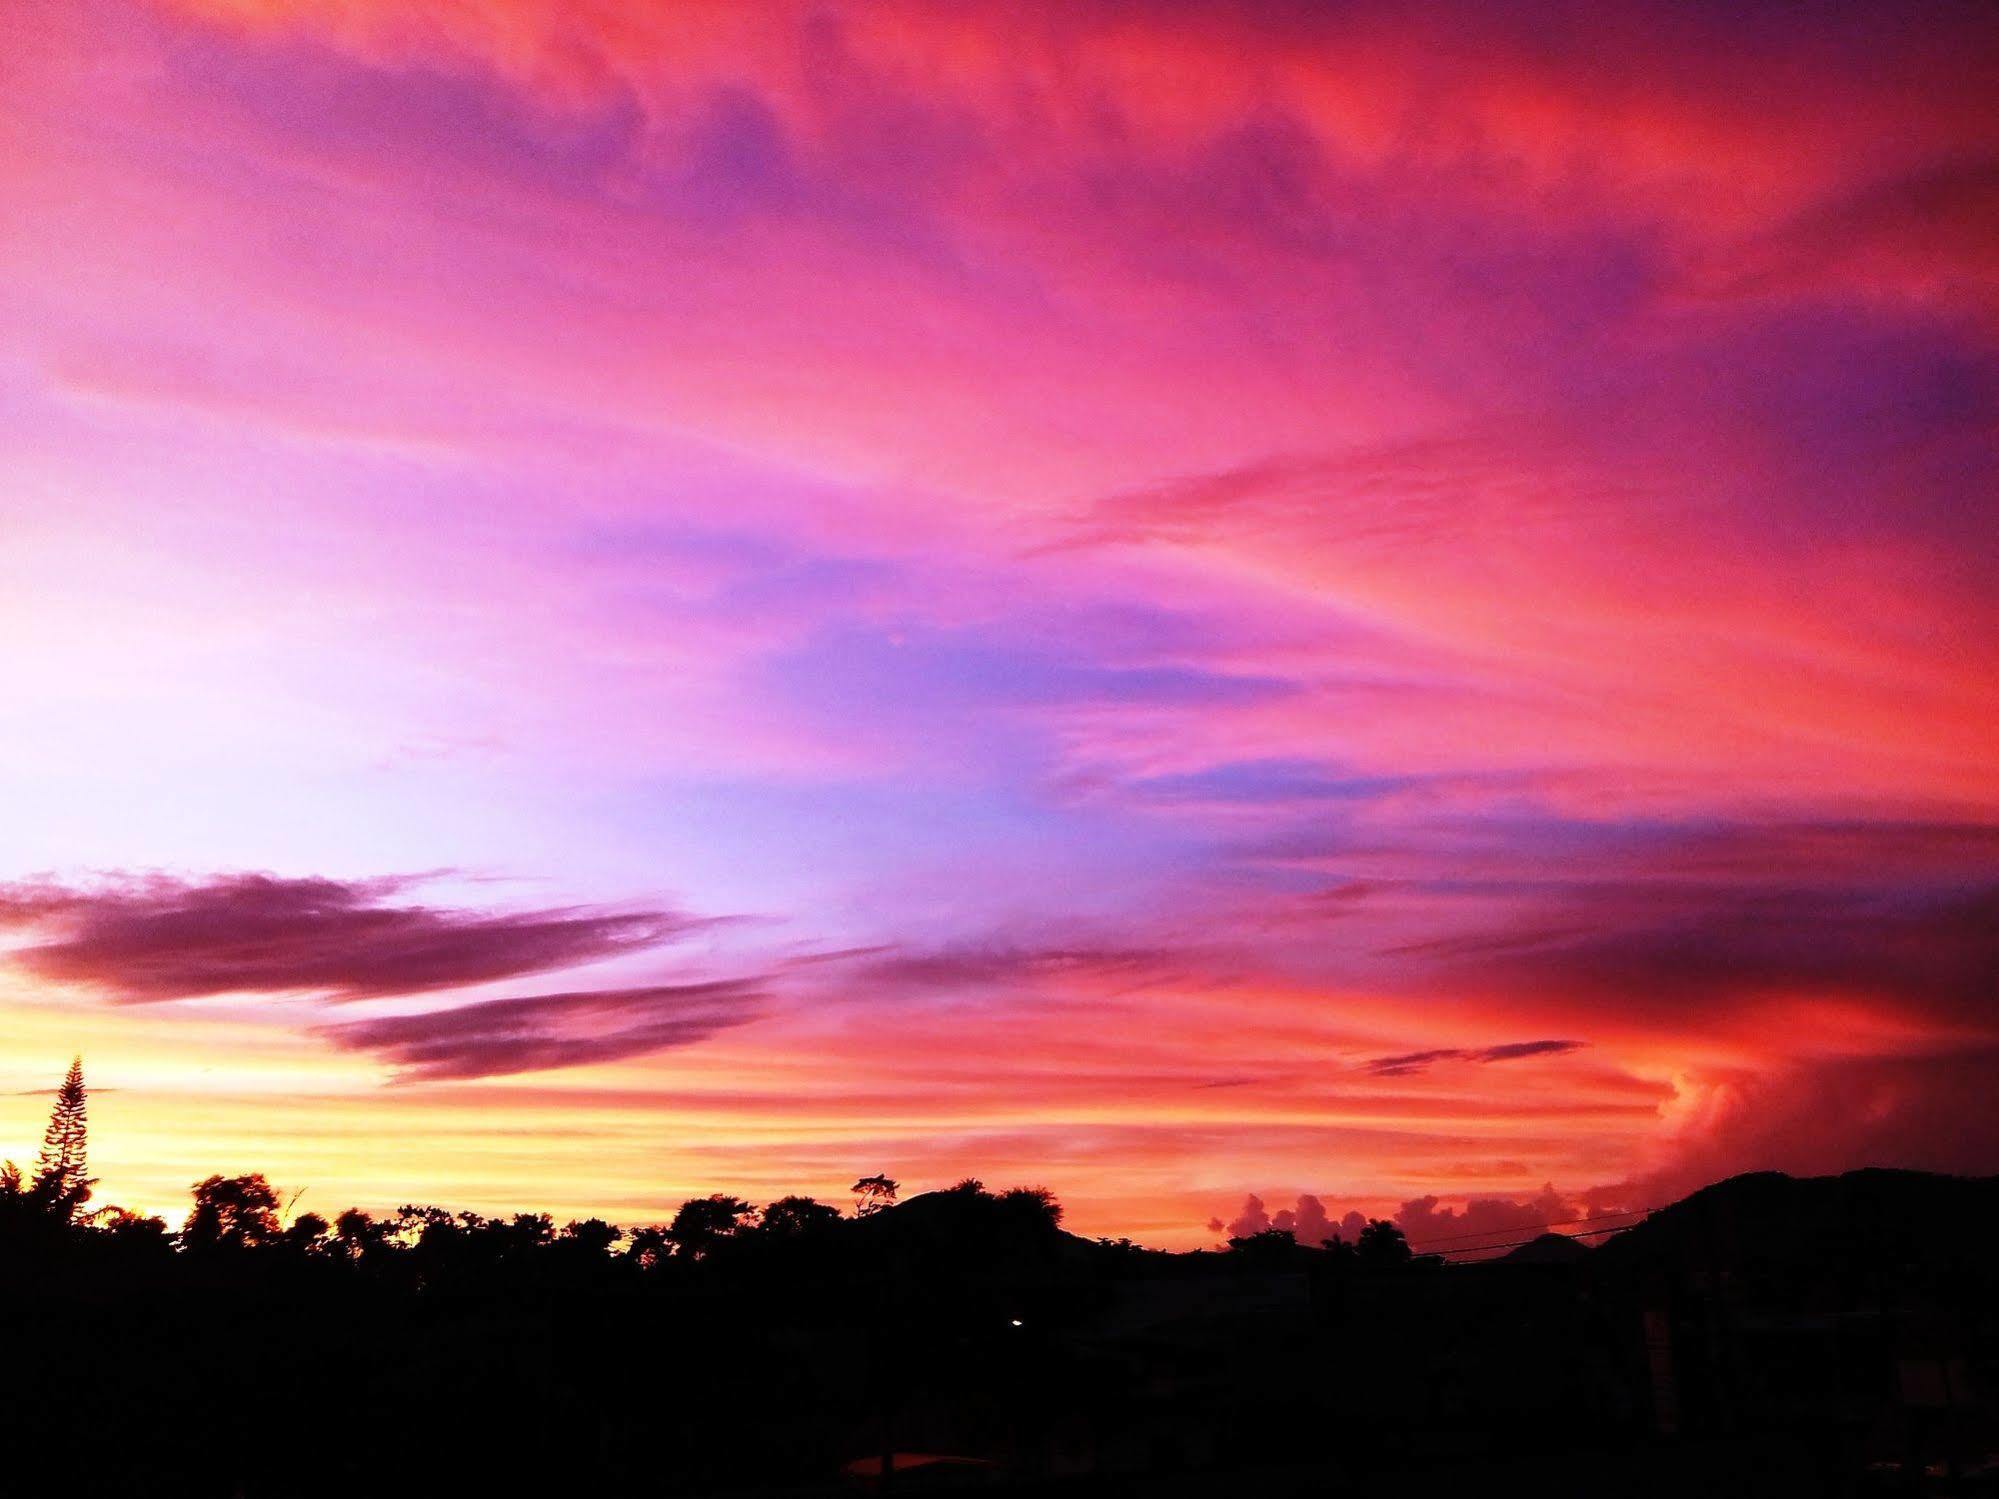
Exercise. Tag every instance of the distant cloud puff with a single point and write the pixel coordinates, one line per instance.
(1485, 1225)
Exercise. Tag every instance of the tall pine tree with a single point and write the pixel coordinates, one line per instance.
(62, 1178)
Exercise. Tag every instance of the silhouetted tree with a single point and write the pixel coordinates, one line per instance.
(649, 1247)
(357, 1234)
(704, 1222)
(415, 1223)
(795, 1217)
(62, 1182)
(873, 1193)
(15, 1204)
(307, 1232)
(524, 1233)
(232, 1212)
(1382, 1243)
(1269, 1246)
(592, 1236)
(1032, 1204)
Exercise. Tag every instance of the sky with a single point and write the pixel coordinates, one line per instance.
(1252, 613)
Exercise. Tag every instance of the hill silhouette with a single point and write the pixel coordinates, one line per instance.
(1547, 1249)
(1865, 1217)
(967, 1225)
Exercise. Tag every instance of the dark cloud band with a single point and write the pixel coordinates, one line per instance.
(154, 938)
(533, 1032)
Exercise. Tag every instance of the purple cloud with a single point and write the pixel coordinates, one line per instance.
(151, 938)
(1928, 951)
(539, 1031)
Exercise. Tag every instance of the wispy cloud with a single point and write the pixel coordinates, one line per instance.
(1000, 965)
(535, 1032)
(149, 938)
(1417, 1061)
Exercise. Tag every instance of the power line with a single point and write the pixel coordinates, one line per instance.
(1592, 1233)
(1523, 1227)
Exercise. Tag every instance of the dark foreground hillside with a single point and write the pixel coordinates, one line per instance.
(1765, 1336)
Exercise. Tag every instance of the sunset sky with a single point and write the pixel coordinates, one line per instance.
(1391, 606)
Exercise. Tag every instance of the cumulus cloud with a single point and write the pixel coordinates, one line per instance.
(1430, 1226)
(1253, 1219)
(1310, 1223)
(534, 1032)
(142, 939)
(1927, 1112)
(1479, 1228)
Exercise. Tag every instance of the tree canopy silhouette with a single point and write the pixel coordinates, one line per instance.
(797, 1217)
(232, 1212)
(704, 1222)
